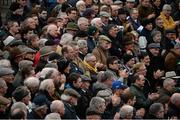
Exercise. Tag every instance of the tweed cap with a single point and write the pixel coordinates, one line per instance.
(154, 45)
(103, 37)
(71, 92)
(5, 71)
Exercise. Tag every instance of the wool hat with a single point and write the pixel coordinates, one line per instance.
(71, 92)
(118, 85)
(154, 45)
(46, 50)
(20, 92)
(92, 30)
(14, 6)
(72, 26)
(103, 37)
(6, 71)
(127, 58)
(146, 22)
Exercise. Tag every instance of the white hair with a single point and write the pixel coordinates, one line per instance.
(50, 27)
(94, 21)
(53, 116)
(167, 82)
(46, 72)
(79, 3)
(125, 111)
(66, 39)
(5, 63)
(96, 102)
(32, 82)
(65, 97)
(46, 84)
(88, 57)
(82, 43)
(56, 105)
(81, 20)
(19, 105)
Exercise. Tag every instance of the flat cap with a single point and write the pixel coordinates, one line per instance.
(104, 14)
(71, 92)
(103, 37)
(5, 71)
(153, 45)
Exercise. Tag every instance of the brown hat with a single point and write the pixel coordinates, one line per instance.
(72, 92)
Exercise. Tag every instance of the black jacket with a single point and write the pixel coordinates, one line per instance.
(70, 112)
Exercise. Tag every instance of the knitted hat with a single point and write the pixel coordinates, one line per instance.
(92, 30)
(127, 58)
(71, 26)
(20, 92)
(46, 50)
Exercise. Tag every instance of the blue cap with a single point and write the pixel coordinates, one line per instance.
(118, 85)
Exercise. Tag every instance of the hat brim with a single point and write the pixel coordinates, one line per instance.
(173, 77)
(71, 29)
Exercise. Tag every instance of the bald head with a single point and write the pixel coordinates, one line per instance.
(57, 106)
(52, 30)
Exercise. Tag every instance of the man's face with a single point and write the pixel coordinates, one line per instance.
(154, 51)
(145, 3)
(35, 42)
(8, 78)
(142, 70)
(70, 54)
(78, 83)
(141, 81)
(113, 32)
(36, 20)
(22, 2)
(54, 31)
(130, 63)
(159, 23)
(167, 13)
(73, 15)
(157, 3)
(43, 14)
(92, 61)
(160, 113)
(146, 60)
(105, 20)
(130, 5)
(115, 65)
(31, 23)
(122, 17)
(84, 26)
(171, 36)
(84, 50)
(157, 38)
(135, 14)
(74, 100)
(149, 26)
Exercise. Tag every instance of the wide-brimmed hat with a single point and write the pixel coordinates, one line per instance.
(171, 74)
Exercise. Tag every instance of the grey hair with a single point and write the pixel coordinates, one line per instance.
(19, 105)
(88, 56)
(82, 43)
(94, 21)
(79, 3)
(47, 72)
(53, 116)
(46, 84)
(126, 110)
(55, 105)
(106, 75)
(167, 81)
(81, 20)
(166, 7)
(66, 39)
(31, 82)
(96, 102)
(155, 108)
(5, 63)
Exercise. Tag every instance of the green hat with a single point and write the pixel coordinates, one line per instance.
(72, 26)
(92, 30)
(46, 50)
(103, 37)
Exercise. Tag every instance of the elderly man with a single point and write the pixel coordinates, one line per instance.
(168, 21)
(83, 49)
(98, 103)
(70, 98)
(57, 106)
(167, 90)
(101, 51)
(83, 24)
(126, 112)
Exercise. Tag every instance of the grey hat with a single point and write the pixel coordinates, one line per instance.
(104, 14)
(71, 92)
(171, 74)
(103, 37)
(5, 71)
(153, 45)
(85, 78)
(105, 94)
(117, 2)
(26, 49)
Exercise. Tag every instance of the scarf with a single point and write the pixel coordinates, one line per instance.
(90, 67)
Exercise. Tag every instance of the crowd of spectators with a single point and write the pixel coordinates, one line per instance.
(90, 59)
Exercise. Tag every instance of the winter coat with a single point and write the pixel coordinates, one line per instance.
(70, 112)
